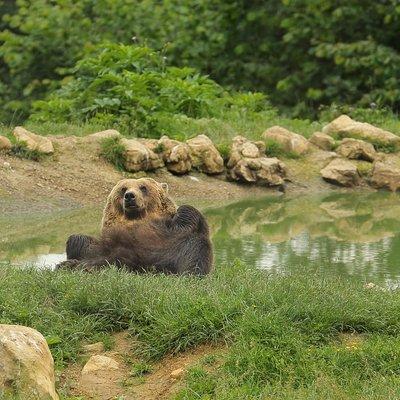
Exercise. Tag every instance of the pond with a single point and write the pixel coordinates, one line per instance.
(337, 233)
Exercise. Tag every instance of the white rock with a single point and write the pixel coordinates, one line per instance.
(33, 141)
(26, 364)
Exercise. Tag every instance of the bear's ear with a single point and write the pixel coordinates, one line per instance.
(165, 187)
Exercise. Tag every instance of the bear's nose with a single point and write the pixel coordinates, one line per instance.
(129, 196)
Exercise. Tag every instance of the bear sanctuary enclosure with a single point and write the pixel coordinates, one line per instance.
(334, 233)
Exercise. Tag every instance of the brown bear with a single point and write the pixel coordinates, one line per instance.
(132, 200)
(143, 231)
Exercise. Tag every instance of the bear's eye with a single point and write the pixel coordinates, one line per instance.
(143, 189)
(123, 190)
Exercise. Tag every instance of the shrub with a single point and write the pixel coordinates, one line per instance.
(303, 53)
(275, 149)
(20, 149)
(113, 151)
(225, 150)
(133, 88)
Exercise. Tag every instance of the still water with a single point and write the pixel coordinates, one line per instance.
(336, 233)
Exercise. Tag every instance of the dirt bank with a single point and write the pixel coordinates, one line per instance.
(76, 175)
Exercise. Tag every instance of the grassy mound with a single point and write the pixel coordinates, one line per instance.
(296, 336)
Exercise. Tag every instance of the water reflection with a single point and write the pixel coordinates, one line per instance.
(346, 234)
(351, 234)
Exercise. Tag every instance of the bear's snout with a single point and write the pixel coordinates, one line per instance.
(130, 199)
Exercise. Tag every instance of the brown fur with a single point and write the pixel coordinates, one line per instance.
(155, 203)
(177, 245)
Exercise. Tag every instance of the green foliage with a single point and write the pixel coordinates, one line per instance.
(302, 53)
(309, 335)
(224, 150)
(20, 149)
(133, 88)
(140, 369)
(275, 149)
(113, 151)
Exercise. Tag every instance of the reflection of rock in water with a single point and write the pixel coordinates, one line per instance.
(349, 233)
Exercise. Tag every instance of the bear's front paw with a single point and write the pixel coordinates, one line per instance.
(68, 264)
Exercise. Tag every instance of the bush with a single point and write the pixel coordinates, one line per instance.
(113, 151)
(303, 53)
(133, 88)
(275, 149)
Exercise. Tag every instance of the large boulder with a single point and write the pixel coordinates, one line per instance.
(176, 155)
(32, 141)
(386, 175)
(138, 157)
(341, 172)
(247, 163)
(323, 141)
(290, 141)
(26, 364)
(356, 149)
(205, 156)
(344, 126)
(5, 143)
(99, 136)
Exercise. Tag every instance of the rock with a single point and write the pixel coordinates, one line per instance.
(26, 364)
(247, 163)
(337, 125)
(323, 141)
(177, 373)
(357, 150)
(138, 157)
(151, 144)
(205, 156)
(290, 141)
(344, 126)
(33, 141)
(5, 143)
(176, 155)
(341, 172)
(99, 136)
(6, 165)
(99, 363)
(99, 377)
(386, 175)
(94, 348)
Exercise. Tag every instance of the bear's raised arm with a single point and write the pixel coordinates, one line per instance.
(188, 219)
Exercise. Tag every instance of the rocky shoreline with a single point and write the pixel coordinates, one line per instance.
(346, 153)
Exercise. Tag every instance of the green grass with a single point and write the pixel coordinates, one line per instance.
(113, 151)
(284, 333)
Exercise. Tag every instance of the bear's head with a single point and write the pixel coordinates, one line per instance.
(135, 199)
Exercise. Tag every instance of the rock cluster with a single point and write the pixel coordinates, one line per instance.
(32, 141)
(26, 364)
(344, 126)
(356, 149)
(138, 157)
(205, 157)
(248, 163)
(341, 172)
(386, 175)
(178, 157)
(99, 136)
(350, 154)
(323, 141)
(289, 141)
